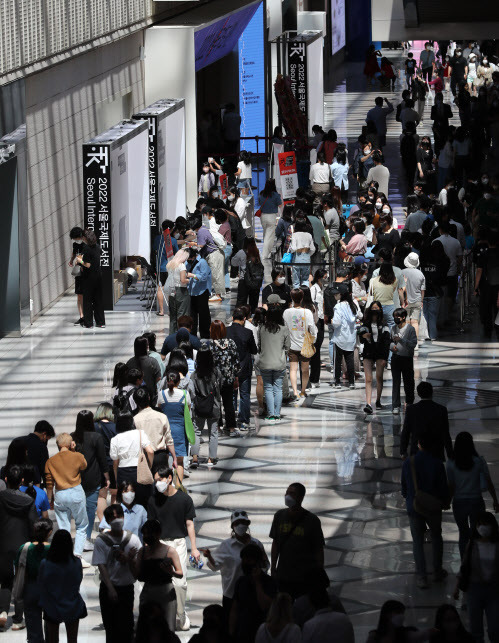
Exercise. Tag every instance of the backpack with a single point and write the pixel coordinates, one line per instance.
(121, 403)
(253, 276)
(329, 300)
(408, 147)
(204, 403)
(110, 543)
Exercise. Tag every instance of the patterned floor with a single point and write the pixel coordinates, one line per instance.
(350, 467)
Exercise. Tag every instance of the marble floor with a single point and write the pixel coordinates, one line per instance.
(350, 467)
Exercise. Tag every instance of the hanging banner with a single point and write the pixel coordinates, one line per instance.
(297, 67)
(152, 158)
(168, 244)
(224, 185)
(97, 210)
(288, 175)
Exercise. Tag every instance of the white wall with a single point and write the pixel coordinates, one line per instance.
(170, 73)
(315, 82)
(139, 236)
(174, 128)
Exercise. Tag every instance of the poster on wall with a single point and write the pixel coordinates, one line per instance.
(97, 209)
(297, 69)
(153, 164)
(338, 37)
(288, 175)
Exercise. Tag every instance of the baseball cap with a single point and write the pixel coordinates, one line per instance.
(275, 299)
(239, 514)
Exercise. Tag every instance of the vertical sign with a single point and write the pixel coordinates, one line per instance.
(153, 164)
(224, 186)
(297, 66)
(97, 210)
(288, 174)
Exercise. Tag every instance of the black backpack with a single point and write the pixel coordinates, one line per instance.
(329, 300)
(204, 404)
(121, 403)
(253, 276)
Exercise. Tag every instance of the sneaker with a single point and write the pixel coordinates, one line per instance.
(3, 619)
(388, 366)
(101, 325)
(379, 405)
(244, 426)
(314, 385)
(194, 464)
(18, 626)
(234, 434)
(270, 419)
(84, 563)
(352, 387)
(210, 464)
(368, 409)
(337, 386)
(440, 575)
(214, 299)
(396, 411)
(185, 626)
(89, 546)
(186, 473)
(422, 582)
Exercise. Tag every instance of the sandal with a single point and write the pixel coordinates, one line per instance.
(160, 314)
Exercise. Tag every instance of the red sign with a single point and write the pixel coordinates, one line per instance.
(288, 183)
(168, 244)
(287, 163)
(224, 185)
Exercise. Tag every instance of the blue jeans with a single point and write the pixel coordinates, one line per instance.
(431, 306)
(301, 273)
(33, 613)
(227, 254)
(91, 503)
(244, 400)
(71, 503)
(272, 389)
(483, 597)
(418, 524)
(466, 512)
(388, 315)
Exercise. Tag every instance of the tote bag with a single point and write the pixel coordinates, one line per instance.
(19, 579)
(308, 348)
(144, 475)
(189, 426)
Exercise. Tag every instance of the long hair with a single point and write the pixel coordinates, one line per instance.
(347, 296)
(307, 300)
(341, 157)
(140, 347)
(205, 364)
(273, 319)
(61, 548)
(386, 274)
(218, 330)
(337, 202)
(464, 451)
(84, 423)
(368, 314)
(252, 252)
(269, 188)
(180, 257)
(178, 362)
(120, 375)
(388, 608)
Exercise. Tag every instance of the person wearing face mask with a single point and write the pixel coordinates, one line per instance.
(479, 577)
(206, 181)
(226, 558)
(174, 510)
(200, 291)
(449, 628)
(375, 336)
(134, 514)
(363, 162)
(161, 258)
(404, 341)
(297, 555)
(115, 553)
(390, 623)
(379, 173)
(458, 70)
(77, 236)
(157, 565)
(278, 286)
(425, 164)
(214, 201)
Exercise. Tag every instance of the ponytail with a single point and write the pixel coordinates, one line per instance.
(30, 490)
(172, 379)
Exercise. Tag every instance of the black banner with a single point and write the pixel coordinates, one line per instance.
(297, 66)
(153, 164)
(97, 210)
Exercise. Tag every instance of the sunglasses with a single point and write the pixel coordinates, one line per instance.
(240, 514)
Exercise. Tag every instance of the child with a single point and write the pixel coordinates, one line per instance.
(387, 73)
(206, 181)
(410, 69)
(404, 341)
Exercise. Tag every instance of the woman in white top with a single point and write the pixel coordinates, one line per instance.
(317, 294)
(243, 172)
(279, 626)
(299, 320)
(124, 450)
(303, 247)
(320, 175)
(343, 339)
(179, 300)
(359, 275)
(339, 172)
(239, 204)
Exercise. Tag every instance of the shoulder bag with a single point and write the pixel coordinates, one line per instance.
(189, 426)
(144, 475)
(308, 348)
(77, 270)
(19, 579)
(370, 296)
(424, 503)
(258, 213)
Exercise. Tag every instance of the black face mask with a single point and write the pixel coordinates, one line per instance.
(247, 568)
(397, 320)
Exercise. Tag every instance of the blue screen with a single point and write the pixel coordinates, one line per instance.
(252, 82)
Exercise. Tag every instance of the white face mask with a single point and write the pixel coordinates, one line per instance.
(379, 206)
(386, 210)
(231, 197)
(129, 497)
(289, 501)
(485, 180)
(367, 150)
(206, 170)
(117, 525)
(485, 531)
(176, 235)
(397, 620)
(214, 195)
(162, 485)
(240, 530)
(364, 278)
(281, 280)
(485, 61)
(459, 54)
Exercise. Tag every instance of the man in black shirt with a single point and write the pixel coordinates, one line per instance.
(277, 287)
(175, 511)
(246, 347)
(458, 70)
(183, 334)
(36, 446)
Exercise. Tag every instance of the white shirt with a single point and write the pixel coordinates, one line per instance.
(298, 320)
(240, 210)
(461, 237)
(291, 633)
(125, 447)
(325, 621)
(318, 299)
(176, 275)
(453, 250)
(177, 395)
(227, 557)
(442, 197)
(119, 573)
(301, 240)
(125, 389)
(319, 173)
(245, 170)
(339, 173)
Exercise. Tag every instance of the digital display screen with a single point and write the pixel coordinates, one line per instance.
(338, 38)
(220, 38)
(252, 81)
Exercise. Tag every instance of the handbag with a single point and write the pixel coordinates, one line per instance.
(288, 257)
(424, 503)
(77, 270)
(258, 213)
(308, 348)
(18, 586)
(189, 426)
(144, 475)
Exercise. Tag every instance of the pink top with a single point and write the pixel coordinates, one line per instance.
(357, 245)
(225, 231)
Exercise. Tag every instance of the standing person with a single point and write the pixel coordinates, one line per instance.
(106, 428)
(37, 452)
(270, 200)
(125, 449)
(156, 427)
(206, 181)
(278, 286)
(226, 359)
(427, 62)
(375, 336)
(387, 236)
(458, 70)
(115, 554)
(238, 217)
(175, 511)
(299, 320)
(273, 344)
(416, 219)
(60, 576)
(378, 116)
(339, 173)
(204, 388)
(63, 472)
(379, 173)
(404, 341)
(39, 495)
(244, 172)
(77, 236)
(425, 164)
(36, 552)
(329, 145)
(371, 67)
(251, 272)
(226, 558)
(487, 285)
(179, 300)
(408, 145)
(147, 365)
(134, 514)
(246, 348)
(172, 402)
(317, 294)
(454, 252)
(297, 557)
(215, 257)
(17, 515)
(467, 474)
(385, 288)
(151, 340)
(91, 445)
(320, 175)
(440, 114)
(184, 334)
(423, 472)
(161, 259)
(91, 282)
(415, 286)
(410, 69)
(434, 266)
(302, 245)
(409, 115)
(157, 566)
(342, 339)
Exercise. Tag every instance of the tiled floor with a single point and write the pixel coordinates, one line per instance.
(350, 467)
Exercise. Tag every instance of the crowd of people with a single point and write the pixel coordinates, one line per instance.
(332, 267)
